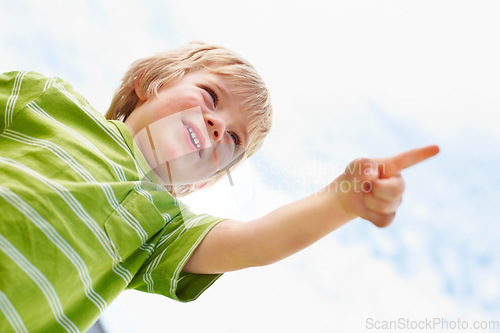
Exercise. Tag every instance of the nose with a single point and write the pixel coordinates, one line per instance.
(215, 127)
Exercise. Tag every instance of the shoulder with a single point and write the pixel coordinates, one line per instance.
(26, 82)
(19, 89)
(23, 86)
(19, 78)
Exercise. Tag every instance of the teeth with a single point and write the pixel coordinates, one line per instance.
(193, 137)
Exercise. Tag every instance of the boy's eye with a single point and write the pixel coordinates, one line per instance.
(236, 138)
(213, 95)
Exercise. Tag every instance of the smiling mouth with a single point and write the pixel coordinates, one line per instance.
(193, 136)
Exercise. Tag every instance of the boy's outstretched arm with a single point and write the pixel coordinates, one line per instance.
(369, 188)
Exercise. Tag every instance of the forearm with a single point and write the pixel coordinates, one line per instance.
(234, 245)
(293, 227)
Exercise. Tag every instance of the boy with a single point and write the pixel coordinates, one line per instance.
(86, 213)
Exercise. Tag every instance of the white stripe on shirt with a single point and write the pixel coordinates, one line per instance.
(41, 281)
(55, 238)
(87, 176)
(112, 133)
(116, 167)
(77, 208)
(11, 102)
(11, 314)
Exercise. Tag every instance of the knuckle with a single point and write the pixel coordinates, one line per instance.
(386, 220)
(397, 192)
(400, 186)
(397, 189)
(403, 185)
(388, 208)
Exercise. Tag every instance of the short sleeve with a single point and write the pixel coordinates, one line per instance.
(163, 272)
(17, 89)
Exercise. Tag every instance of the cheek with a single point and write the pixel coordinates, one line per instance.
(184, 100)
(175, 101)
(190, 100)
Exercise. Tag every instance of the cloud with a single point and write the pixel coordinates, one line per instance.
(348, 79)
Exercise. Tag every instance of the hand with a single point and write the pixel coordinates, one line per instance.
(373, 188)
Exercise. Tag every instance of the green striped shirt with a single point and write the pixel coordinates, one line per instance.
(82, 216)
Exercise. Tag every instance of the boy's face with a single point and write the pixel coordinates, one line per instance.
(192, 128)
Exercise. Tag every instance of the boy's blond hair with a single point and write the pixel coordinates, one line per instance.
(158, 70)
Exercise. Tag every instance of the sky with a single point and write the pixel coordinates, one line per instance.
(347, 79)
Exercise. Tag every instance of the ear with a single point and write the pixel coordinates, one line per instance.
(137, 89)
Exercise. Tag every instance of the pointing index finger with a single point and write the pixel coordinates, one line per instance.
(405, 160)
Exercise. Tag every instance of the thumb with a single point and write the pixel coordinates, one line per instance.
(370, 174)
(362, 172)
(369, 170)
